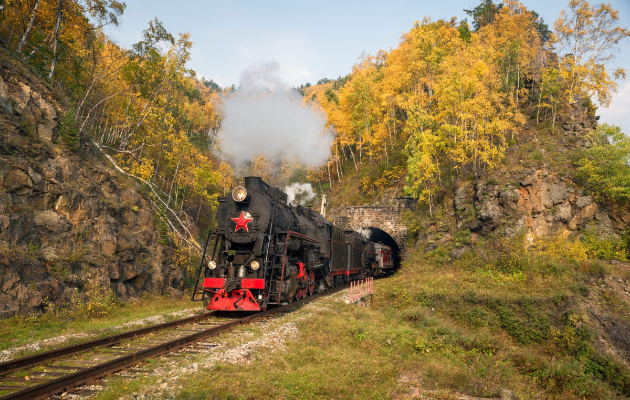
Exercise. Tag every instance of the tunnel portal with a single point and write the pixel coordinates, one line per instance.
(383, 222)
(380, 236)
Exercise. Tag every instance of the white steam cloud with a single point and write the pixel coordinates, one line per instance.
(302, 192)
(264, 116)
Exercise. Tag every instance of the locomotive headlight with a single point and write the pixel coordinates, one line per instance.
(254, 265)
(239, 194)
(212, 264)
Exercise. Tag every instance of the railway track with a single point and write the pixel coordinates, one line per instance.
(41, 375)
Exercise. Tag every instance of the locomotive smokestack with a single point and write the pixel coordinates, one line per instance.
(255, 183)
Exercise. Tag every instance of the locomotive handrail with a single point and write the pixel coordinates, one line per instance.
(284, 260)
(273, 218)
(294, 233)
(203, 256)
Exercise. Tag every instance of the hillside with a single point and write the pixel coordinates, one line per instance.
(71, 226)
(515, 278)
(515, 284)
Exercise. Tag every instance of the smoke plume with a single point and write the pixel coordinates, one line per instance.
(299, 193)
(264, 116)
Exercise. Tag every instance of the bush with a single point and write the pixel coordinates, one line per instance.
(511, 257)
(604, 248)
(605, 168)
(68, 132)
(595, 268)
(571, 250)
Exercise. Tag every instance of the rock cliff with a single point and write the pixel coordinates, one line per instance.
(532, 194)
(68, 220)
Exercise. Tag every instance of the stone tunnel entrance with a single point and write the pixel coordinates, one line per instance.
(380, 236)
(384, 223)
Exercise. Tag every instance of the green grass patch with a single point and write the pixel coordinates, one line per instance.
(468, 327)
(495, 320)
(19, 330)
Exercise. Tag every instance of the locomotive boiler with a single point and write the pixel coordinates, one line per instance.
(269, 252)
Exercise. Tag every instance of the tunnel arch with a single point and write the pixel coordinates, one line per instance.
(383, 219)
(389, 218)
(378, 235)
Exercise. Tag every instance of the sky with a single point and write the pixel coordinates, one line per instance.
(311, 39)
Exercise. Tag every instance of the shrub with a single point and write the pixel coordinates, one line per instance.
(595, 268)
(512, 258)
(571, 250)
(68, 132)
(605, 168)
(94, 302)
(611, 247)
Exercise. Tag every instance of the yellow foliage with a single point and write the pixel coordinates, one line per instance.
(569, 249)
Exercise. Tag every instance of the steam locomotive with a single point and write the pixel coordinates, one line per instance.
(269, 252)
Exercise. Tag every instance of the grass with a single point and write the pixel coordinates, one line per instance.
(443, 331)
(19, 330)
(494, 320)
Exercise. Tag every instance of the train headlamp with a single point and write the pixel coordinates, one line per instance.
(212, 264)
(254, 265)
(239, 194)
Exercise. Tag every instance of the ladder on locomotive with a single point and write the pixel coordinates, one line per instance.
(278, 266)
(271, 265)
(275, 284)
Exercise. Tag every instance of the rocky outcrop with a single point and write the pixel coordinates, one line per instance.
(67, 221)
(535, 202)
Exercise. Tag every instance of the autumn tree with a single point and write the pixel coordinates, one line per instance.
(585, 40)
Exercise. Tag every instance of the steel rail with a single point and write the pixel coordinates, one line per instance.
(39, 358)
(89, 374)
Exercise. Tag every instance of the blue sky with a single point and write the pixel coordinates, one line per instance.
(315, 39)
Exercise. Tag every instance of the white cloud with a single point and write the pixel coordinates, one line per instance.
(619, 111)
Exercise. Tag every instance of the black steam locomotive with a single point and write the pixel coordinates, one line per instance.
(269, 252)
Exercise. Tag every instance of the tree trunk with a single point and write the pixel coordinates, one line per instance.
(157, 165)
(24, 37)
(329, 178)
(170, 190)
(353, 159)
(56, 33)
(126, 136)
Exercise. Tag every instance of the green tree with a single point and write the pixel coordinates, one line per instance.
(425, 149)
(484, 14)
(605, 168)
(211, 84)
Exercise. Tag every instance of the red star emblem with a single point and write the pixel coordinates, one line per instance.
(241, 222)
